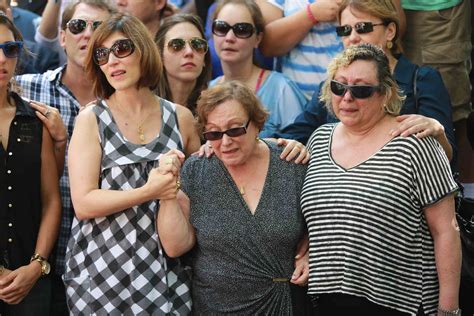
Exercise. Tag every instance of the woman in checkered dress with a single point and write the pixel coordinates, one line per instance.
(115, 263)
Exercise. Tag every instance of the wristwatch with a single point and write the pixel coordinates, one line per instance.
(45, 267)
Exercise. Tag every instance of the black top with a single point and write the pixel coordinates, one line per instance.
(20, 187)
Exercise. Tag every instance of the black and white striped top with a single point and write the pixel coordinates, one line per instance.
(368, 234)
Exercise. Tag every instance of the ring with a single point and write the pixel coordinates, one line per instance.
(47, 113)
(169, 161)
(178, 185)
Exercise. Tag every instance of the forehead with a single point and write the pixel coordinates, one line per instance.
(5, 34)
(234, 13)
(363, 70)
(183, 30)
(226, 111)
(350, 14)
(88, 12)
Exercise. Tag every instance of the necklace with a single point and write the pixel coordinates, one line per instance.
(242, 190)
(140, 129)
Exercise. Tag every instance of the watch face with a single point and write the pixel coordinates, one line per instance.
(45, 268)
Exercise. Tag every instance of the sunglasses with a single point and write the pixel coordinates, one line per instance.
(121, 49)
(197, 44)
(231, 132)
(11, 49)
(241, 30)
(77, 26)
(360, 28)
(357, 91)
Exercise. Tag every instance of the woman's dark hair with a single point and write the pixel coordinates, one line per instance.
(164, 90)
(151, 67)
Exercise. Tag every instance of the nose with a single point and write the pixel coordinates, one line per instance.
(226, 140)
(3, 58)
(347, 95)
(230, 36)
(88, 31)
(188, 51)
(354, 37)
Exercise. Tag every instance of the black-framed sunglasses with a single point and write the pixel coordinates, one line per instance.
(360, 28)
(12, 49)
(241, 30)
(199, 45)
(77, 26)
(231, 132)
(357, 91)
(121, 49)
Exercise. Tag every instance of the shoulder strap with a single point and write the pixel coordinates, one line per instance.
(415, 95)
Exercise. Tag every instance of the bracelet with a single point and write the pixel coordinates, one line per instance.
(456, 312)
(310, 14)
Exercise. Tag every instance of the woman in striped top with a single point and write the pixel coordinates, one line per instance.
(379, 210)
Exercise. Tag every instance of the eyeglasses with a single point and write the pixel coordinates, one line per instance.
(231, 132)
(360, 28)
(241, 30)
(197, 44)
(357, 91)
(121, 49)
(77, 26)
(11, 49)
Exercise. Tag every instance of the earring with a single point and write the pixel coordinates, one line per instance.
(389, 44)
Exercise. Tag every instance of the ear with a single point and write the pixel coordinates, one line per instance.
(159, 5)
(62, 38)
(391, 31)
(259, 39)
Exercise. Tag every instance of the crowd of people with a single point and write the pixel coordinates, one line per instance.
(314, 171)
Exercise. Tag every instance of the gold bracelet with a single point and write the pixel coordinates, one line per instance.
(2, 268)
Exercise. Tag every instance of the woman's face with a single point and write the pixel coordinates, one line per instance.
(358, 112)
(122, 73)
(186, 64)
(230, 48)
(7, 65)
(380, 35)
(232, 151)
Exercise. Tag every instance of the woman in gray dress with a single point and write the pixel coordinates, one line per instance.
(240, 211)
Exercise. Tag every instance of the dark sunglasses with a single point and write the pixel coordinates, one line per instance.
(231, 132)
(360, 28)
(77, 26)
(121, 49)
(11, 49)
(197, 44)
(241, 30)
(357, 91)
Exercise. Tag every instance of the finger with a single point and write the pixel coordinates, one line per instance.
(303, 247)
(412, 130)
(297, 273)
(301, 156)
(401, 118)
(286, 151)
(306, 158)
(423, 134)
(282, 141)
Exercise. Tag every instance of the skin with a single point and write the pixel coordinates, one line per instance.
(148, 11)
(135, 105)
(16, 284)
(363, 131)
(183, 67)
(244, 158)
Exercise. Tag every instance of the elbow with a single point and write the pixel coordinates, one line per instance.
(173, 251)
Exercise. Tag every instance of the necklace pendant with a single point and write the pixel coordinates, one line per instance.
(242, 190)
(141, 135)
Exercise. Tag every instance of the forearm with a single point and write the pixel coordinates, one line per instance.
(100, 203)
(176, 232)
(284, 34)
(448, 264)
(59, 154)
(49, 227)
(50, 19)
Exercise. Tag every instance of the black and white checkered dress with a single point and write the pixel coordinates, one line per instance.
(115, 264)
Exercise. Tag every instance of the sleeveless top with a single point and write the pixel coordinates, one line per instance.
(115, 264)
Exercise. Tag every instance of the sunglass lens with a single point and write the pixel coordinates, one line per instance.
(236, 132)
(212, 135)
(337, 88)
(96, 24)
(364, 27)
(343, 30)
(243, 30)
(220, 28)
(199, 45)
(12, 50)
(101, 56)
(77, 26)
(176, 44)
(123, 48)
(362, 92)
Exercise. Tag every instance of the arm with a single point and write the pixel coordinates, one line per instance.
(283, 33)
(84, 170)
(48, 27)
(24, 278)
(56, 128)
(176, 232)
(188, 129)
(442, 224)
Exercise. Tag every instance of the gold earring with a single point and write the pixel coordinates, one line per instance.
(389, 44)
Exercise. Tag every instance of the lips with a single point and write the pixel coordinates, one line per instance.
(190, 64)
(117, 73)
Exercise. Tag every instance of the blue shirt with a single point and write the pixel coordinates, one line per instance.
(432, 100)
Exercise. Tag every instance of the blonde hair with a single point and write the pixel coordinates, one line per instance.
(387, 85)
